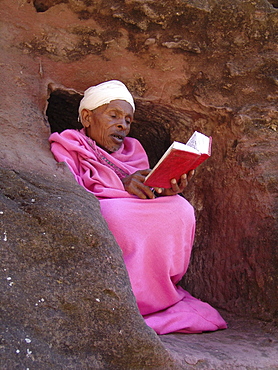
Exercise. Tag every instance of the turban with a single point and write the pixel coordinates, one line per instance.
(104, 93)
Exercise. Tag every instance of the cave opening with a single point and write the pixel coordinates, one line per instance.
(274, 3)
(150, 126)
(42, 6)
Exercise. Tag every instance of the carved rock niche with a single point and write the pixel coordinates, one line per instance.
(151, 125)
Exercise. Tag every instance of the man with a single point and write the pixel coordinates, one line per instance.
(155, 233)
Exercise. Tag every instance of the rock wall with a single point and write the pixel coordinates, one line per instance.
(191, 65)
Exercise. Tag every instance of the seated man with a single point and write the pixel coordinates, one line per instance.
(155, 233)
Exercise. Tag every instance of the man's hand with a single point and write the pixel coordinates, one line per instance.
(134, 184)
(176, 187)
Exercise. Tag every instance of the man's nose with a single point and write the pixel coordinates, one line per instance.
(122, 124)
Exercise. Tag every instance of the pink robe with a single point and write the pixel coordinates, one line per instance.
(155, 235)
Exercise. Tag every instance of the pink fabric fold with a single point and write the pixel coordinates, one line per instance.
(155, 235)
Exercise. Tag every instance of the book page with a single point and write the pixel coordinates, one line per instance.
(199, 142)
(184, 147)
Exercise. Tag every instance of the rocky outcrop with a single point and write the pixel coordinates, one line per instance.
(209, 66)
(66, 297)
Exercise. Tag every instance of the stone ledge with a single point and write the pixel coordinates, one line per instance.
(246, 344)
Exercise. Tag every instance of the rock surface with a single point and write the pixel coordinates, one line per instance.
(247, 344)
(191, 65)
(62, 305)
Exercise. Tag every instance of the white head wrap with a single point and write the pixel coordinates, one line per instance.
(104, 93)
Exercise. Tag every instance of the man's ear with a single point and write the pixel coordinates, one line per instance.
(86, 116)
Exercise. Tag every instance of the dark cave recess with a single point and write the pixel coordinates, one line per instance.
(150, 125)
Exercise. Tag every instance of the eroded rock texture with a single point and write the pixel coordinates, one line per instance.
(61, 301)
(191, 65)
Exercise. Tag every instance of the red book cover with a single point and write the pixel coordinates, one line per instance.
(179, 159)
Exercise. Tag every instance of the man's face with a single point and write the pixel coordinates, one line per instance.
(109, 124)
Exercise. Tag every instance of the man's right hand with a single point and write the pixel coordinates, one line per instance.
(134, 184)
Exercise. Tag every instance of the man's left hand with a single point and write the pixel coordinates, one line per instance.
(176, 187)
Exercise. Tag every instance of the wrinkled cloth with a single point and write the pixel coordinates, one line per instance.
(155, 235)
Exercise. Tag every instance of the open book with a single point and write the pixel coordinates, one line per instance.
(179, 159)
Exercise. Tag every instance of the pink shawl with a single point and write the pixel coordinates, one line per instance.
(155, 235)
(85, 160)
